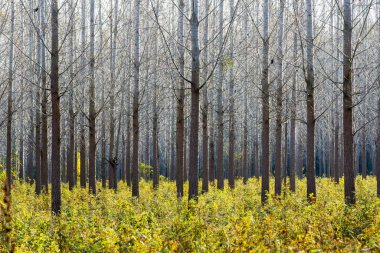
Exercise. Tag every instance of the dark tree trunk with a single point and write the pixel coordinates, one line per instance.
(136, 92)
(44, 127)
(194, 115)
(349, 174)
(56, 125)
(310, 118)
(180, 125)
(265, 103)
(92, 113)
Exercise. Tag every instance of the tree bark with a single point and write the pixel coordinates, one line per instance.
(91, 109)
(231, 130)
(278, 164)
(83, 176)
(349, 175)
(194, 114)
(220, 110)
(265, 104)
(180, 125)
(10, 102)
(44, 127)
(293, 112)
(135, 120)
(205, 137)
(56, 125)
(310, 166)
(71, 147)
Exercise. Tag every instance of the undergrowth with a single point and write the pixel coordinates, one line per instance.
(221, 221)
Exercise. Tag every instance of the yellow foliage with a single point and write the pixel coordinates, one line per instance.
(221, 221)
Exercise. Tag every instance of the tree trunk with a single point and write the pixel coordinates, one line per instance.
(44, 127)
(83, 176)
(293, 113)
(135, 121)
(112, 159)
(205, 137)
(265, 104)
(245, 123)
(55, 125)
(71, 147)
(278, 165)
(91, 109)
(220, 112)
(194, 114)
(231, 130)
(180, 125)
(349, 175)
(10, 102)
(310, 166)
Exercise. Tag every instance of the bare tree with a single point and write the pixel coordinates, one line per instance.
(195, 90)
(278, 165)
(220, 110)
(349, 175)
(309, 79)
(265, 102)
(180, 125)
(10, 101)
(92, 112)
(56, 115)
(136, 92)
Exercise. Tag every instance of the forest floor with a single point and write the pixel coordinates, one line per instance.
(221, 221)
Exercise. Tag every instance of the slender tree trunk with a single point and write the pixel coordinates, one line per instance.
(220, 110)
(91, 109)
(10, 102)
(71, 147)
(231, 131)
(293, 113)
(83, 176)
(44, 127)
(245, 123)
(56, 125)
(211, 162)
(135, 122)
(113, 155)
(155, 114)
(205, 137)
(278, 165)
(180, 137)
(349, 175)
(265, 101)
(310, 166)
(37, 141)
(194, 114)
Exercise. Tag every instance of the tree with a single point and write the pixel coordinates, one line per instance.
(83, 160)
(309, 79)
(349, 177)
(180, 124)
(91, 110)
(194, 114)
(44, 128)
(136, 92)
(56, 116)
(10, 102)
(278, 165)
(71, 121)
(231, 131)
(265, 105)
(205, 137)
(220, 110)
